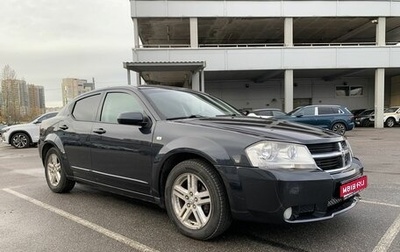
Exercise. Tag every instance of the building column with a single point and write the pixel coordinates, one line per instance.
(135, 33)
(288, 27)
(136, 44)
(380, 76)
(288, 86)
(288, 91)
(381, 32)
(379, 96)
(194, 36)
(196, 81)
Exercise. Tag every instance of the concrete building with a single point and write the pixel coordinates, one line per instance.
(21, 101)
(272, 53)
(72, 87)
(36, 99)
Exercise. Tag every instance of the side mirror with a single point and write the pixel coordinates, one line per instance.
(134, 118)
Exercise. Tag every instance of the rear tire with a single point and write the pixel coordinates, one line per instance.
(339, 128)
(196, 200)
(390, 122)
(55, 173)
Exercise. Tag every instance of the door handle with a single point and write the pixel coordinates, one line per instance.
(99, 131)
(63, 127)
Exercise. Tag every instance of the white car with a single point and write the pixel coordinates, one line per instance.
(24, 135)
(391, 116)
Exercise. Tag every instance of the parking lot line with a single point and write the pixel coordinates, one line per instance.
(391, 233)
(113, 235)
(380, 203)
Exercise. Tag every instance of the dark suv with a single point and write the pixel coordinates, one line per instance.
(334, 117)
(199, 158)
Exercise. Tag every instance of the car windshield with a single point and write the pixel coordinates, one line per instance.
(178, 104)
(366, 112)
(391, 110)
(293, 112)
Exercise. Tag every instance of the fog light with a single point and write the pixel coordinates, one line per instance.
(287, 214)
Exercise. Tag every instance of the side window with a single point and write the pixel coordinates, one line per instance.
(264, 113)
(308, 111)
(117, 103)
(326, 111)
(85, 109)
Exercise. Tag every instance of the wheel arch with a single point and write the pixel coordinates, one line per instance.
(341, 122)
(20, 131)
(52, 140)
(172, 160)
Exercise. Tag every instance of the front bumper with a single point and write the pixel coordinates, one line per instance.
(264, 195)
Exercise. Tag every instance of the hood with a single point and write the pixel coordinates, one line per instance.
(271, 129)
(17, 126)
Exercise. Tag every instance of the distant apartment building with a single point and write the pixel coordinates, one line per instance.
(20, 100)
(72, 87)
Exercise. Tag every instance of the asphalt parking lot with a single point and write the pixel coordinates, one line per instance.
(32, 218)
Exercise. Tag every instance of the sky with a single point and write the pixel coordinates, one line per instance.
(44, 41)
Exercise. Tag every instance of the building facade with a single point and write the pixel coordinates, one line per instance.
(21, 101)
(72, 87)
(282, 54)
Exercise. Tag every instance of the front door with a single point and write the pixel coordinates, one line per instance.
(121, 154)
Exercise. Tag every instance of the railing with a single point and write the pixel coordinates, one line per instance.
(254, 45)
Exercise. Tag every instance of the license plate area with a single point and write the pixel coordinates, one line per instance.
(350, 188)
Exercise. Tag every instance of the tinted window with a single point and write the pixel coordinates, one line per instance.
(307, 111)
(117, 103)
(174, 104)
(264, 113)
(85, 109)
(326, 110)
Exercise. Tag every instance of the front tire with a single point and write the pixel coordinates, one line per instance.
(366, 123)
(55, 173)
(339, 128)
(196, 201)
(20, 140)
(390, 122)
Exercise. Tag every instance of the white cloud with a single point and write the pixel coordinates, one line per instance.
(45, 41)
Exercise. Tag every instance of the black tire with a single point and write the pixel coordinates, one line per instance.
(390, 122)
(20, 140)
(205, 199)
(365, 123)
(339, 128)
(55, 173)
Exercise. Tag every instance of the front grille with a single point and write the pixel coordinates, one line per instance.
(331, 156)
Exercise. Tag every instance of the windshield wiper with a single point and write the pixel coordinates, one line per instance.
(228, 115)
(185, 117)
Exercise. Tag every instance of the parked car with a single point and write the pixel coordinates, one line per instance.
(199, 158)
(365, 118)
(391, 116)
(2, 126)
(334, 117)
(356, 112)
(266, 113)
(24, 135)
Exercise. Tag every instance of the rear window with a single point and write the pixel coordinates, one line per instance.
(85, 109)
(327, 110)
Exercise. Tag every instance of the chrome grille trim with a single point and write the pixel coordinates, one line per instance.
(331, 157)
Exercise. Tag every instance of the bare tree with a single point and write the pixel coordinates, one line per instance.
(9, 91)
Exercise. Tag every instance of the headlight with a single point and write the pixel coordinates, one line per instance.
(270, 155)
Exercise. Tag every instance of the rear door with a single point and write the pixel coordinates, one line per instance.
(121, 154)
(326, 116)
(76, 130)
